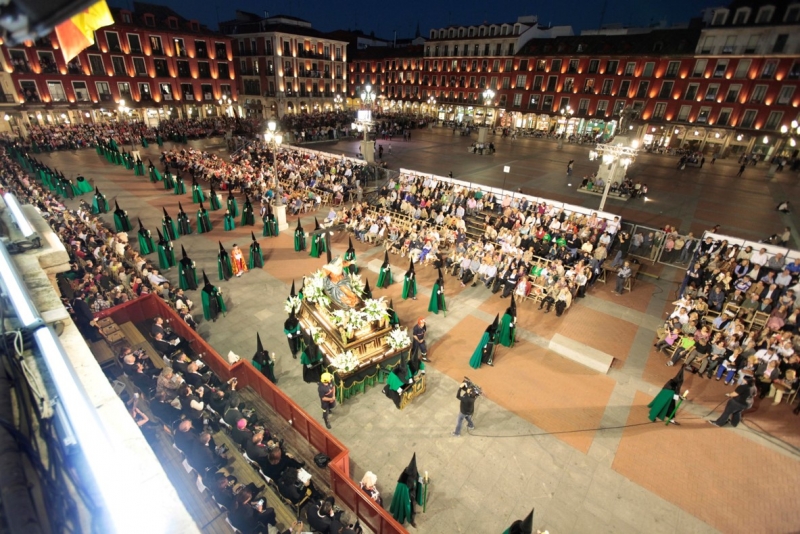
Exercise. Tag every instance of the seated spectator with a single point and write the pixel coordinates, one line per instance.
(369, 486)
(277, 462)
(249, 516)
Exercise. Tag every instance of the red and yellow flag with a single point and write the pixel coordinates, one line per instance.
(77, 33)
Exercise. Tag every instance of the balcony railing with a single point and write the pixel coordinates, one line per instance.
(241, 52)
(248, 72)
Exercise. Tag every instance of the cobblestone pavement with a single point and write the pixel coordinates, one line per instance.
(538, 440)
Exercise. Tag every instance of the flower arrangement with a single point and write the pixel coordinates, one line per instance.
(398, 339)
(375, 309)
(356, 320)
(357, 284)
(317, 335)
(314, 289)
(345, 361)
(339, 317)
(292, 303)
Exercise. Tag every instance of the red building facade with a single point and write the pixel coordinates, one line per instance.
(153, 61)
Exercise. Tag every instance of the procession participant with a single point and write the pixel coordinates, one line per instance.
(169, 182)
(299, 237)
(662, 406)
(318, 245)
(203, 222)
(197, 192)
(145, 240)
(168, 226)
(248, 218)
(410, 282)
(231, 204)
(180, 189)
(166, 255)
(238, 262)
(184, 224)
(270, 224)
(213, 199)
(187, 275)
(350, 257)
(224, 268)
(327, 396)
(263, 362)
(228, 222)
(213, 303)
(396, 382)
(311, 359)
(484, 352)
(256, 257)
(394, 319)
(508, 325)
(385, 275)
(419, 346)
(121, 221)
(437, 301)
(291, 327)
(99, 202)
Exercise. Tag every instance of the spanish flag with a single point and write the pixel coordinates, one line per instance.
(77, 33)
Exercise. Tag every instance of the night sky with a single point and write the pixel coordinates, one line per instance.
(384, 18)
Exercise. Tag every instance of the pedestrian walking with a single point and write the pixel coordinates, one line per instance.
(570, 166)
(741, 170)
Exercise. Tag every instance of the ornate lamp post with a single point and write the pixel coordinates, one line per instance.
(614, 156)
(226, 104)
(272, 137)
(367, 97)
(488, 96)
(565, 113)
(337, 102)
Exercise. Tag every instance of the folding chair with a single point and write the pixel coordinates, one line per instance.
(188, 468)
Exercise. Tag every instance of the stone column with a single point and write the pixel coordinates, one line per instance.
(280, 216)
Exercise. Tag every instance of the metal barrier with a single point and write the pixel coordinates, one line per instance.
(646, 243)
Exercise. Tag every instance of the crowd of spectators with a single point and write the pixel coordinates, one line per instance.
(54, 137)
(318, 126)
(737, 316)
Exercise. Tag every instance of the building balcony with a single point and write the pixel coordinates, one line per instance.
(21, 67)
(243, 53)
(248, 72)
(302, 73)
(312, 55)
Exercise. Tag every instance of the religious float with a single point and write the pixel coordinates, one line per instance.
(353, 335)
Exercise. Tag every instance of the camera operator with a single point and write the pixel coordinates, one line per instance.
(467, 394)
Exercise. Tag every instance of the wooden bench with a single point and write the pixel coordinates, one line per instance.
(294, 443)
(138, 341)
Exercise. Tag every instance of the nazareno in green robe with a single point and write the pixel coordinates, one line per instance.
(256, 260)
(213, 304)
(166, 255)
(187, 275)
(409, 285)
(437, 302)
(508, 330)
(299, 240)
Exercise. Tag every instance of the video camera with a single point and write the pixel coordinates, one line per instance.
(473, 390)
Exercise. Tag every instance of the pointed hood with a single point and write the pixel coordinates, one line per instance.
(96, 190)
(201, 206)
(367, 290)
(440, 280)
(160, 235)
(166, 215)
(230, 194)
(522, 526)
(194, 181)
(141, 226)
(676, 382)
(512, 310)
(350, 246)
(180, 208)
(150, 162)
(259, 346)
(316, 224)
(293, 292)
(410, 267)
(253, 236)
(492, 328)
(206, 281)
(391, 304)
(298, 225)
(211, 189)
(183, 251)
(221, 248)
(116, 206)
(269, 208)
(410, 474)
(385, 259)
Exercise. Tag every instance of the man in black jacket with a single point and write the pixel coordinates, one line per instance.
(84, 318)
(467, 397)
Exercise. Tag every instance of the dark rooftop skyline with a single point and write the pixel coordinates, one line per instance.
(404, 17)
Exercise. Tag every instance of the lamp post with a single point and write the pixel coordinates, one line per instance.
(613, 156)
(337, 102)
(272, 137)
(565, 114)
(431, 106)
(123, 111)
(367, 97)
(225, 103)
(488, 95)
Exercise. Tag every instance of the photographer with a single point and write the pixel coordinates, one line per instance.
(467, 394)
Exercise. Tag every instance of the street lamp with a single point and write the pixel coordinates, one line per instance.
(123, 111)
(431, 104)
(488, 95)
(273, 138)
(367, 96)
(614, 156)
(565, 114)
(226, 104)
(337, 102)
